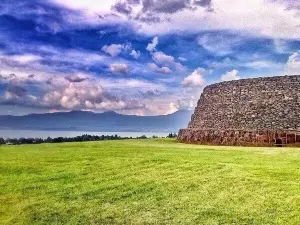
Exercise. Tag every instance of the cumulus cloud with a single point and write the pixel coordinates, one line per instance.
(135, 54)
(162, 58)
(181, 104)
(152, 45)
(121, 68)
(157, 69)
(173, 107)
(165, 60)
(196, 79)
(77, 96)
(231, 75)
(227, 17)
(113, 50)
(293, 64)
(72, 96)
(98, 94)
(152, 11)
(71, 93)
(116, 49)
(153, 17)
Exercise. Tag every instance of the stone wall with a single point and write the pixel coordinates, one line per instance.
(269, 103)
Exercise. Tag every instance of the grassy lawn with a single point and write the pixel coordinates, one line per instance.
(148, 182)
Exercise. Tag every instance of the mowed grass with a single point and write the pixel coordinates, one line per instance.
(156, 181)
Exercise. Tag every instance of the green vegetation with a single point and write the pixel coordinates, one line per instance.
(153, 181)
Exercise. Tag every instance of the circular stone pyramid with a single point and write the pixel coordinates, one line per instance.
(246, 111)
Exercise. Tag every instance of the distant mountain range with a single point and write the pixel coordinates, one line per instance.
(89, 121)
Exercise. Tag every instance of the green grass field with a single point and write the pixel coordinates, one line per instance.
(156, 181)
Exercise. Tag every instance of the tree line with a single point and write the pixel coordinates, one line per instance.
(82, 138)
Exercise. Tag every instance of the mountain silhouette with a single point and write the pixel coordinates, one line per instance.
(89, 121)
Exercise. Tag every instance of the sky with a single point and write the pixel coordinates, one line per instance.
(138, 57)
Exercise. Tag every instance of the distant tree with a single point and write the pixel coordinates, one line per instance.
(38, 140)
(13, 141)
(2, 141)
(142, 137)
(58, 140)
(48, 140)
(171, 135)
(84, 137)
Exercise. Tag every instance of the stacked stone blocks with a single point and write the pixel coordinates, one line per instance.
(246, 111)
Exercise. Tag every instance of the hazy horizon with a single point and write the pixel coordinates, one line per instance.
(96, 112)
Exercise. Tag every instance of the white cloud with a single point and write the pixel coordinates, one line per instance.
(238, 16)
(195, 79)
(163, 59)
(79, 91)
(121, 68)
(132, 86)
(157, 69)
(232, 75)
(90, 6)
(293, 64)
(182, 59)
(27, 58)
(220, 44)
(113, 50)
(135, 54)
(179, 67)
(263, 64)
(253, 17)
(173, 107)
(152, 46)
(70, 96)
(107, 105)
(78, 96)
(88, 95)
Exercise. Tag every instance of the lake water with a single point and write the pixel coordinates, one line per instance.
(53, 134)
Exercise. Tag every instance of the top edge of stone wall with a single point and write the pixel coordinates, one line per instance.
(253, 80)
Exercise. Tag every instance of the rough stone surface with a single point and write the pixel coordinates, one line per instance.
(247, 106)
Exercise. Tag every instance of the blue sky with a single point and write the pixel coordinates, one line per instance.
(142, 57)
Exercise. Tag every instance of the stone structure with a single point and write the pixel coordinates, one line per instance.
(246, 111)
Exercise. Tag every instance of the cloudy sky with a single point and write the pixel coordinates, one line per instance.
(143, 57)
